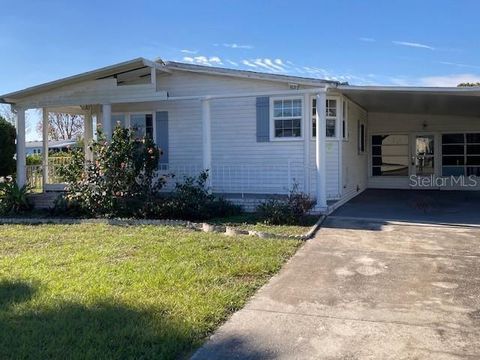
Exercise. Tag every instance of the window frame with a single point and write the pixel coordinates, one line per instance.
(336, 118)
(360, 150)
(370, 146)
(272, 119)
(344, 122)
(128, 124)
(465, 144)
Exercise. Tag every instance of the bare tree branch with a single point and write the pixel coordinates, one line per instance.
(63, 126)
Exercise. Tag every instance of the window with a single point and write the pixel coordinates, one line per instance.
(287, 118)
(390, 155)
(344, 120)
(141, 125)
(361, 137)
(461, 154)
(331, 118)
(118, 120)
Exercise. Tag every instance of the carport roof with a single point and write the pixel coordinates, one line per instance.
(463, 101)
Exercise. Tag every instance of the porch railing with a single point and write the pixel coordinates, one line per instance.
(254, 178)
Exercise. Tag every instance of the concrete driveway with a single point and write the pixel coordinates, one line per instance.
(365, 290)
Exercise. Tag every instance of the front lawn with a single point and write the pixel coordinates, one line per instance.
(96, 291)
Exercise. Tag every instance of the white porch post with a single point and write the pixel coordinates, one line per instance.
(88, 136)
(207, 139)
(45, 131)
(320, 151)
(307, 121)
(21, 159)
(107, 121)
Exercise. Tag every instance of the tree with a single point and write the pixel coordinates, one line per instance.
(7, 114)
(63, 126)
(468, 84)
(7, 147)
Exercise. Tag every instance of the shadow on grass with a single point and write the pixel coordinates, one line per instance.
(233, 347)
(74, 331)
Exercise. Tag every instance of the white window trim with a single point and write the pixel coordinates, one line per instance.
(337, 120)
(365, 137)
(128, 114)
(272, 120)
(344, 120)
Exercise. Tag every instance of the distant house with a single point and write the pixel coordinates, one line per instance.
(36, 147)
(260, 134)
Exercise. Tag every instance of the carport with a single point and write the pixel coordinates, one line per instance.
(419, 206)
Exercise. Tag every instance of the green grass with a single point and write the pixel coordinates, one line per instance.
(111, 292)
(251, 221)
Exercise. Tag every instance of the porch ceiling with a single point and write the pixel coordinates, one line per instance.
(438, 101)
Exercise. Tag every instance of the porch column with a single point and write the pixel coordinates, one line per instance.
(88, 136)
(307, 121)
(107, 121)
(45, 131)
(207, 139)
(21, 159)
(320, 157)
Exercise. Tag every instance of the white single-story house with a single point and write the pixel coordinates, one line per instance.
(36, 147)
(258, 134)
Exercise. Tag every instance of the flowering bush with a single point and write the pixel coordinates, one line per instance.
(122, 174)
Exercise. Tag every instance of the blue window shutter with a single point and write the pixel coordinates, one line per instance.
(263, 119)
(161, 140)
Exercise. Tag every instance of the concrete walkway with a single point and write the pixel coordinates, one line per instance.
(365, 290)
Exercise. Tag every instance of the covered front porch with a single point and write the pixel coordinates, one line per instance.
(130, 95)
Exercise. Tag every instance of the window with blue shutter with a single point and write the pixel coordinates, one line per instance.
(161, 139)
(263, 119)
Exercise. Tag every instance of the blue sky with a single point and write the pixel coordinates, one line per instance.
(431, 43)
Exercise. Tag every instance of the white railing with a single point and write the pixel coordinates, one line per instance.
(254, 178)
(35, 173)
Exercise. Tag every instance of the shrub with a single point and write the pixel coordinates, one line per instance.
(14, 199)
(191, 200)
(7, 148)
(290, 211)
(34, 159)
(123, 174)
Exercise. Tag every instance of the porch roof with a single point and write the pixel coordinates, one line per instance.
(416, 100)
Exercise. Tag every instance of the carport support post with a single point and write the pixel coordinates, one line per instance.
(207, 139)
(21, 159)
(88, 136)
(45, 131)
(320, 156)
(107, 121)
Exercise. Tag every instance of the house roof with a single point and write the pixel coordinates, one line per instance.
(51, 144)
(140, 63)
(464, 101)
(104, 72)
(213, 70)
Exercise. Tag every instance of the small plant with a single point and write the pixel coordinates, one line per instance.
(14, 199)
(191, 200)
(289, 211)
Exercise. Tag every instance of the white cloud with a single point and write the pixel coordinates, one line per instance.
(460, 65)
(203, 60)
(234, 63)
(367, 39)
(186, 51)
(413, 44)
(248, 63)
(235, 46)
(449, 80)
(266, 64)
